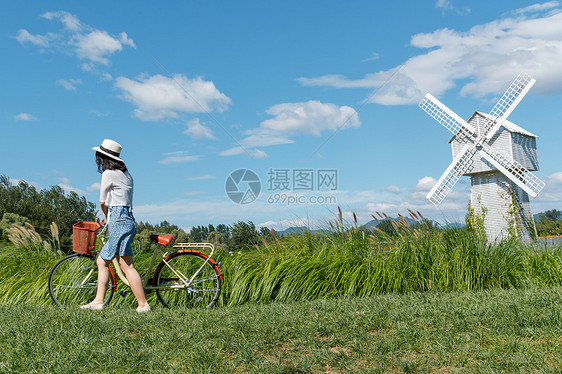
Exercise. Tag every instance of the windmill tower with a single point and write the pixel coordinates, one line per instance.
(498, 156)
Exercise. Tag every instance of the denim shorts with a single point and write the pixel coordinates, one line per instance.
(122, 229)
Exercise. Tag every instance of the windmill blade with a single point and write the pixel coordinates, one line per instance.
(510, 99)
(461, 163)
(514, 94)
(445, 116)
(514, 171)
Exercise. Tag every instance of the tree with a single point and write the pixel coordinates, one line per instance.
(217, 239)
(266, 234)
(387, 227)
(244, 236)
(145, 229)
(551, 215)
(199, 233)
(549, 223)
(45, 206)
(224, 230)
(425, 224)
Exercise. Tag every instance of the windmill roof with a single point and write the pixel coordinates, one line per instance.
(510, 126)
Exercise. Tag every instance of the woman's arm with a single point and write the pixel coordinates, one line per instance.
(104, 209)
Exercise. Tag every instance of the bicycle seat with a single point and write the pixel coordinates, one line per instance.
(161, 239)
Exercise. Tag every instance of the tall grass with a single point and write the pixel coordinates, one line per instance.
(348, 261)
(25, 264)
(24, 273)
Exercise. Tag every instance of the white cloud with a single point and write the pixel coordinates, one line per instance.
(290, 119)
(65, 183)
(94, 187)
(124, 38)
(98, 113)
(393, 189)
(555, 179)
(552, 192)
(38, 40)
(307, 222)
(489, 55)
(447, 5)
(374, 56)
(232, 151)
(202, 177)
(159, 97)
(252, 152)
(70, 21)
(425, 184)
(25, 117)
(537, 7)
(15, 182)
(106, 76)
(85, 42)
(311, 117)
(68, 188)
(177, 158)
(196, 130)
(69, 84)
(258, 153)
(179, 209)
(96, 46)
(192, 193)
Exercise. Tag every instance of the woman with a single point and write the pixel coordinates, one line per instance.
(116, 200)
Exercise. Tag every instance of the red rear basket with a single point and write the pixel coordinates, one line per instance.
(84, 236)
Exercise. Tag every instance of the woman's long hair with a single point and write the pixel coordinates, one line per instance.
(107, 163)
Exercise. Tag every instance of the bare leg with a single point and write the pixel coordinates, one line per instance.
(103, 280)
(134, 279)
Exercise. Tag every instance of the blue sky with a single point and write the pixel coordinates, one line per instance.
(194, 90)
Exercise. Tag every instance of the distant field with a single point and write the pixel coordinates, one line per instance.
(486, 331)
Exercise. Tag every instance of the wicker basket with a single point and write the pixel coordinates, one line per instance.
(84, 236)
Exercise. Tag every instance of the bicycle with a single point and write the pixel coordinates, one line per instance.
(185, 277)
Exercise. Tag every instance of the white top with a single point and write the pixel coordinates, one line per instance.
(116, 188)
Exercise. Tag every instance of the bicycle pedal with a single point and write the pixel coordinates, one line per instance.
(124, 293)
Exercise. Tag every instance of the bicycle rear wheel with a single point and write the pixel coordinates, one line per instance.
(203, 292)
(74, 280)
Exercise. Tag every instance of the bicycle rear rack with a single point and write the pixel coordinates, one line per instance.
(196, 245)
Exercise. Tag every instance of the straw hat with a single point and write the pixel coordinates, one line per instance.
(110, 148)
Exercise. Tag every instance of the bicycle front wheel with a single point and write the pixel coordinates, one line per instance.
(74, 281)
(172, 280)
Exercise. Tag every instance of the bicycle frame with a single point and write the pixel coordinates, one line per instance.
(163, 256)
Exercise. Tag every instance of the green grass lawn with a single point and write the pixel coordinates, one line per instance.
(518, 330)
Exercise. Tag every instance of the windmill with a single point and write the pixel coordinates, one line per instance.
(498, 156)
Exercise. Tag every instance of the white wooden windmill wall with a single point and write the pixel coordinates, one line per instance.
(498, 156)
